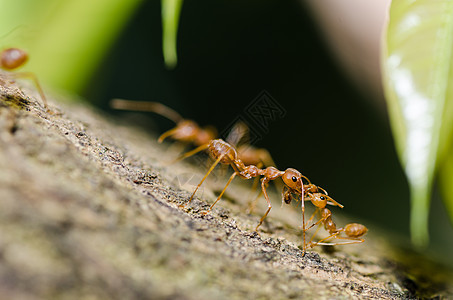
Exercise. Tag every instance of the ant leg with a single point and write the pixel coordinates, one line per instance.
(321, 242)
(205, 176)
(311, 218)
(314, 234)
(351, 241)
(318, 224)
(252, 204)
(190, 153)
(352, 232)
(336, 236)
(150, 106)
(303, 213)
(269, 205)
(308, 180)
(223, 191)
(166, 134)
(33, 78)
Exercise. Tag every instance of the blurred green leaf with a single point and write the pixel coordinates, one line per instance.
(67, 39)
(446, 175)
(171, 10)
(417, 65)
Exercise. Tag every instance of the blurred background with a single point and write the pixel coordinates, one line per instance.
(310, 58)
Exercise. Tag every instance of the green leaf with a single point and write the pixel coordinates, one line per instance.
(417, 64)
(171, 10)
(66, 40)
(446, 174)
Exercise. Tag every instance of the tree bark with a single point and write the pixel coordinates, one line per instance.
(89, 208)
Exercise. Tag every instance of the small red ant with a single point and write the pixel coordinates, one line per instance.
(186, 131)
(310, 192)
(13, 58)
(353, 231)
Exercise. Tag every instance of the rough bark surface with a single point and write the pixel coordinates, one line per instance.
(89, 209)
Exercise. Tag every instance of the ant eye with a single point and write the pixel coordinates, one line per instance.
(294, 178)
(322, 198)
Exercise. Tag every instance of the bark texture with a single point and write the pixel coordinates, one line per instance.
(89, 209)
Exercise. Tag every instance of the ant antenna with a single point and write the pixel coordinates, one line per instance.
(11, 31)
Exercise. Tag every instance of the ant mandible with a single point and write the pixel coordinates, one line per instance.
(13, 58)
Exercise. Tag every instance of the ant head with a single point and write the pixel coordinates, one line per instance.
(293, 179)
(319, 199)
(186, 131)
(12, 58)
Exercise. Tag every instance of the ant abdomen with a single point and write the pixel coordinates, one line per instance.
(218, 147)
(355, 230)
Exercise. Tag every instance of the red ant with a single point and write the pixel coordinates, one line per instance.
(13, 58)
(310, 192)
(189, 131)
(353, 231)
(224, 153)
(186, 131)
